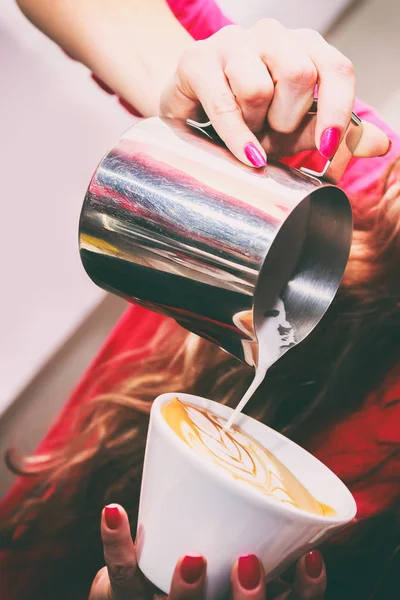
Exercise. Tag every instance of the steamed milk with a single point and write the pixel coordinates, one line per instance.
(274, 334)
(239, 455)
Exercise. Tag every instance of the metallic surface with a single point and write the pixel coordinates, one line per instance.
(172, 221)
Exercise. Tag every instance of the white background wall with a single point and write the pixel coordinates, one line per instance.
(317, 14)
(55, 125)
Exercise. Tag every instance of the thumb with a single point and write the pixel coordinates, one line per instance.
(373, 142)
(119, 552)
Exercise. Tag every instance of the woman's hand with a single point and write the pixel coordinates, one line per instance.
(121, 579)
(267, 75)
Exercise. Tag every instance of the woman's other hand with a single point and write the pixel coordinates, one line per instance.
(256, 86)
(120, 579)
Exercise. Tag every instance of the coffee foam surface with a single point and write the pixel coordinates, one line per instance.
(239, 455)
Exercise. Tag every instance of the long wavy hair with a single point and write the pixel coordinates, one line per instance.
(348, 354)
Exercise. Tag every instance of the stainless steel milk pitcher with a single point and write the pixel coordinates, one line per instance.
(172, 221)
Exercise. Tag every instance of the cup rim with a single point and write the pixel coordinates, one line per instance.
(243, 490)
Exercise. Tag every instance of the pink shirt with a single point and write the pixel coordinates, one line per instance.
(201, 18)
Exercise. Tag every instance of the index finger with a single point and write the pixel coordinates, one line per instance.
(248, 579)
(188, 580)
(119, 552)
(205, 80)
(310, 579)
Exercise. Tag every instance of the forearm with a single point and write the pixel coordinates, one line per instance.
(132, 45)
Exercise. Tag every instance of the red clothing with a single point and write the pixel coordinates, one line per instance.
(369, 439)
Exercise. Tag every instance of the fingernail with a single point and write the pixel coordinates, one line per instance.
(314, 564)
(192, 567)
(329, 143)
(102, 84)
(388, 150)
(254, 155)
(112, 516)
(249, 572)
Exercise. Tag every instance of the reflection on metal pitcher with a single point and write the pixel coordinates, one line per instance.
(174, 222)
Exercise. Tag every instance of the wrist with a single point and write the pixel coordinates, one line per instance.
(135, 62)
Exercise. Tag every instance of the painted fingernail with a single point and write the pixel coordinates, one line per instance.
(102, 84)
(112, 516)
(249, 572)
(254, 155)
(329, 143)
(192, 567)
(314, 564)
(388, 150)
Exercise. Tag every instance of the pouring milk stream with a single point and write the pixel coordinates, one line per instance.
(277, 333)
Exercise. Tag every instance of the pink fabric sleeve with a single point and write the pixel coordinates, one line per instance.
(201, 18)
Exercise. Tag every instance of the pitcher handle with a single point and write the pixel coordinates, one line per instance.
(334, 167)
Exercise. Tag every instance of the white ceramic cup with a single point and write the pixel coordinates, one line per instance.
(189, 505)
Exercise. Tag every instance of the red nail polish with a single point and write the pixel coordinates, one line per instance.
(128, 107)
(102, 84)
(314, 564)
(112, 516)
(254, 155)
(329, 143)
(192, 567)
(249, 572)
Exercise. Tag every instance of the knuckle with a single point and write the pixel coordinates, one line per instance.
(112, 546)
(231, 68)
(269, 24)
(301, 77)
(228, 33)
(284, 127)
(222, 103)
(287, 128)
(121, 572)
(256, 96)
(184, 65)
(309, 34)
(189, 59)
(343, 66)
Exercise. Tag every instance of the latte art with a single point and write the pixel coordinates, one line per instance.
(239, 455)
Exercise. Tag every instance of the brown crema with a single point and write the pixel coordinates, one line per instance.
(239, 455)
